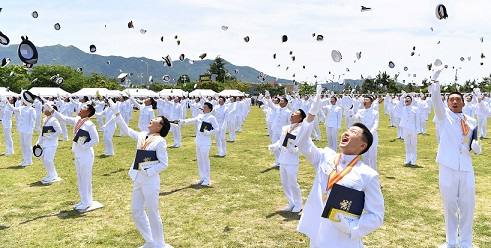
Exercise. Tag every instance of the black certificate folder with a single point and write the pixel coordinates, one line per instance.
(48, 129)
(205, 126)
(344, 200)
(288, 136)
(83, 135)
(144, 157)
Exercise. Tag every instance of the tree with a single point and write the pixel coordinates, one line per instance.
(183, 79)
(305, 89)
(218, 68)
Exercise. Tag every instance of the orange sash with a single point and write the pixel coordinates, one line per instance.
(147, 142)
(464, 126)
(334, 177)
(79, 125)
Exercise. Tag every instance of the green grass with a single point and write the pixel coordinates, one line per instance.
(239, 210)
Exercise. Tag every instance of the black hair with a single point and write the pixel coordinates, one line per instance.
(209, 105)
(165, 126)
(302, 113)
(54, 107)
(366, 135)
(86, 98)
(335, 98)
(369, 97)
(409, 97)
(456, 93)
(284, 98)
(91, 110)
(153, 103)
(222, 97)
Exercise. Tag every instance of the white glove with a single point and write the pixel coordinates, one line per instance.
(345, 224)
(266, 94)
(47, 107)
(206, 132)
(316, 103)
(436, 74)
(476, 148)
(113, 106)
(477, 92)
(273, 148)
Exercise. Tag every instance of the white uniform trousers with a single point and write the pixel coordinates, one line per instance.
(145, 209)
(221, 143)
(100, 121)
(410, 142)
(49, 161)
(332, 138)
(275, 137)
(316, 132)
(64, 130)
(176, 133)
(291, 188)
(231, 130)
(370, 157)
(108, 140)
(422, 126)
(83, 166)
(202, 156)
(9, 143)
(458, 195)
(482, 126)
(26, 146)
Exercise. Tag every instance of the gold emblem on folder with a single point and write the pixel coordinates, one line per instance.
(345, 205)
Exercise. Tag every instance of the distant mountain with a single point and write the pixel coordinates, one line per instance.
(74, 57)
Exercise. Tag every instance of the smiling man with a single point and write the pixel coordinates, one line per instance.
(456, 174)
(333, 227)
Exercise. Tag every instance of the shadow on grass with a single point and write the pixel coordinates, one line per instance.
(192, 186)
(38, 184)
(3, 227)
(217, 156)
(104, 156)
(64, 214)
(13, 167)
(287, 215)
(390, 177)
(270, 168)
(413, 166)
(114, 172)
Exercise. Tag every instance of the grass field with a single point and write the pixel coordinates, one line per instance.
(241, 209)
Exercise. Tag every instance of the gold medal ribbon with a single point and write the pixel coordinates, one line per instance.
(334, 177)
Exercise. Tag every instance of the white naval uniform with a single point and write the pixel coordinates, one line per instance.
(146, 115)
(109, 128)
(49, 143)
(409, 125)
(482, 114)
(25, 123)
(369, 117)
(281, 119)
(176, 113)
(232, 120)
(289, 163)
(7, 130)
(333, 124)
(456, 174)
(146, 188)
(84, 158)
(38, 107)
(423, 113)
(221, 114)
(322, 232)
(203, 144)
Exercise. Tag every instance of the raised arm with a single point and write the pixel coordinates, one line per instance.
(67, 119)
(436, 98)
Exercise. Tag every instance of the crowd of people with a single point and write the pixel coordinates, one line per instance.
(345, 169)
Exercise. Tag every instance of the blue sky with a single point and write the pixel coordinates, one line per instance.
(387, 33)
